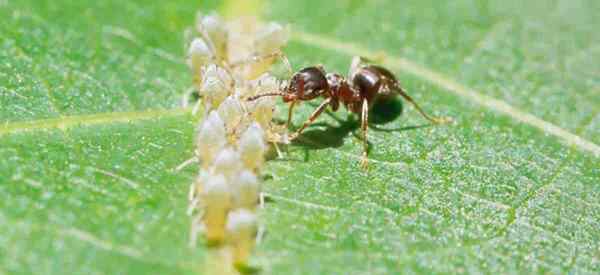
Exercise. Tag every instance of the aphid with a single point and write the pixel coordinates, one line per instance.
(246, 190)
(210, 139)
(217, 201)
(365, 84)
(241, 232)
(228, 162)
(212, 27)
(232, 113)
(252, 146)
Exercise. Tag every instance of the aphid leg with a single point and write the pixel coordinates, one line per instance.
(196, 107)
(364, 162)
(197, 227)
(185, 99)
(186, 163)
(312, 118)
(435, 120)
(261, 200)
(278, 150)
(260, 234)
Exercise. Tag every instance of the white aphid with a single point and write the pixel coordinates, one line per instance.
(241, 38)
(216, 72)
(241, 234)
(230, 145)
(262, 111)
(228, 163)
(216, 200)
(231, 111)
(199, 54)
(213, 26)
(211, 138)
(270, 39)
(266, 83)
(245, 190)
(214, 91)
(252, 146)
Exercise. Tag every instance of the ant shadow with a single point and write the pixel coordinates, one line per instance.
(316, 137)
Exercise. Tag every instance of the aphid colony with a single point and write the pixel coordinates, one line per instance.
(230, 61)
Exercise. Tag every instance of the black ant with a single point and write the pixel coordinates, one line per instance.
(366, 84)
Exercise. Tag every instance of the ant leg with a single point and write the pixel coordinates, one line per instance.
(290, 113)
(312, 118)
(364, 126)
(435, 120)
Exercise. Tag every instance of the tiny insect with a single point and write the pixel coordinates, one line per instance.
(365, 85)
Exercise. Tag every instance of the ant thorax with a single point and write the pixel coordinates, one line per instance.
(341, 89)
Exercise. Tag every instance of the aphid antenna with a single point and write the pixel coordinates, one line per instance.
(186, 163)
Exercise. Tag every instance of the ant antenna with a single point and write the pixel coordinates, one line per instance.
(435, 120)
(252, 98)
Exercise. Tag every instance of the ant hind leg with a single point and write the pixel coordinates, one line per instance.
(435, 120)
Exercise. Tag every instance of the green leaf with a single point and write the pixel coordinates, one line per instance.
(90, 133)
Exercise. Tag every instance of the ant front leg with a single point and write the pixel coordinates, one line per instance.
(290, 113)
(312, 118)
(364, 162)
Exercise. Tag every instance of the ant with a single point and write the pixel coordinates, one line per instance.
(366, 83)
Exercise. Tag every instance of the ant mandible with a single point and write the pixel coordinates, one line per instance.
(366, 83)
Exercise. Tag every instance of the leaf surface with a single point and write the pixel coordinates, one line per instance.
(90, 133)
